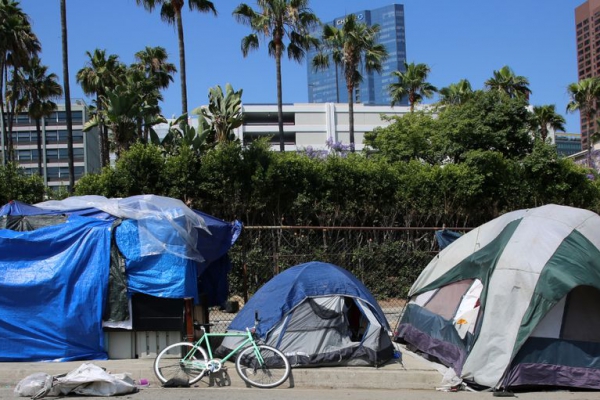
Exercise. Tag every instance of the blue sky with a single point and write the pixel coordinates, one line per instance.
(457, 39)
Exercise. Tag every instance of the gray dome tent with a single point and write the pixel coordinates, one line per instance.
(317, 314)
(514, 302)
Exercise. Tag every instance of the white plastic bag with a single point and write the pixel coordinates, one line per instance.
(91, 380)
(88, 380)
(34, 384)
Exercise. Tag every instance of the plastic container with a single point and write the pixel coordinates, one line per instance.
(143, 382)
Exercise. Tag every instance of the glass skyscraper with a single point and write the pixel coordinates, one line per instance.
(329, 86)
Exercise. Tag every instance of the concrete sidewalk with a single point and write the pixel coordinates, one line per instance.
(413, 372)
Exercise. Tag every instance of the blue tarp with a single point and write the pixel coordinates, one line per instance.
(165, 275)
(296, 284)
(445, 237)
(214, 269)
(18, 208)
(53, 280)
(161, 275)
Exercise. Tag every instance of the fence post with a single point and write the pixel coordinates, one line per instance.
(245, 268)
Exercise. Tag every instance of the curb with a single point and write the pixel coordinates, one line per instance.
(414, 373)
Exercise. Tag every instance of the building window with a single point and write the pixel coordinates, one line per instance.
(51, 137)
(52, 174)
(26, 138)
(77, 136)
(62, 117)
(24, 155)
(289, 138)
(52, 155)
(22, 119)
(77, 117)
(62, 136)
(51, 119)
(79, 171)
(30, 171)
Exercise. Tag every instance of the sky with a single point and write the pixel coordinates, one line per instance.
(465, 39)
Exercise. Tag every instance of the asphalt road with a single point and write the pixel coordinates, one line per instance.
(323, 394)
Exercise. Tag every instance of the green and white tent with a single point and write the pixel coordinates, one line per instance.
(515, 302)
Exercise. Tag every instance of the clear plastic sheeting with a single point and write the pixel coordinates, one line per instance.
(165, 225)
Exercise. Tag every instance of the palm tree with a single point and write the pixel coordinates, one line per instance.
(584, 96)
(101, 72)
(171, 13)
(67, 90)
(224, 112)
(274, 21)
(120, 110)
(456, 93)
(38, 90)
(18, 43)
(147, 89)
(180, 134)
(544, 117)
(505, 81)
(412, 83)
(153, 72)
(352, 46)
(153, 62)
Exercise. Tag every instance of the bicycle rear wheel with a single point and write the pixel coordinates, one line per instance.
(272, 372)
(169, 364)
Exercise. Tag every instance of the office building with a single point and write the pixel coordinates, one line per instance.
(329, 85)
(311, 126)
(587, 24)
(567, 144)
(306, 125)
(55, 154)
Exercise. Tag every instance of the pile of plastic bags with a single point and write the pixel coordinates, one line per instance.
(87, 380)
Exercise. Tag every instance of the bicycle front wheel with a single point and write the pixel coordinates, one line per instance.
(269, 370)
(171, 365)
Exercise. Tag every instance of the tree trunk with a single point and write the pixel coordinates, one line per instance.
(3, 138)
(105, 145)
(67, 92)
(139, 128)
(351, 115)
(590, 117)
(38, 131)
(279, 99)
(184, 102)
(10, 121)
(9, 141)
(544, 133)
(102, 133)
(349, 75)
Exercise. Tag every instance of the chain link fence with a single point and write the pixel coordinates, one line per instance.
(386, 260)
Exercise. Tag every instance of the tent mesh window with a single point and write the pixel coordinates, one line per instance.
(446, 301)
(582, 311)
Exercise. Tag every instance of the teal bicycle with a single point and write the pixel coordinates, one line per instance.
(257, 364)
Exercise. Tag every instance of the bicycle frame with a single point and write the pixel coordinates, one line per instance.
(204, 339)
